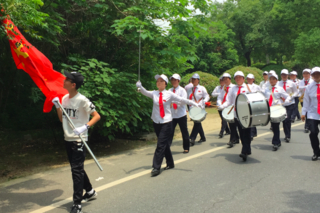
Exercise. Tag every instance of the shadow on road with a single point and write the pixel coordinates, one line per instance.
(234, 158)
(263, 147)
(303, 201)
(301, 157)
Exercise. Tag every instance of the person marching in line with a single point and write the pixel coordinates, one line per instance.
(304, 83)
(216, 92)
(276, 95)
(263, 83)
(200, 95)
(296, 81)
(178, 111)
(79, 109)
(187, 87)
(311, 105)
(245, 134)
(254, 88)
(292, 91)
(162, 120)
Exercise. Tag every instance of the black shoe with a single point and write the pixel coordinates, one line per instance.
(306, 131)
(292, 121)
(298, 119)
(271, 128)
(220, 135)
(244, 157)
(227, 133)
(192, 142)
(314, 157)
(202, 140)
(275, 147)
(255, 136)
(76, 209)
(168, 167)
(86, 197)
(155, 172)
(236, 141)
(287, 140)
(230, 144)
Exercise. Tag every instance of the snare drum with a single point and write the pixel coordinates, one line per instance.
(228, 117)
(252, 109)
(197, 114)
(278, 114)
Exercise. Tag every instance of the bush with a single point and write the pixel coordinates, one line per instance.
(258, 65)
(276, 67)
(246, 70)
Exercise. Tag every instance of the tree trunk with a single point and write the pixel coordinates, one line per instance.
(267, 59)
(247, 56)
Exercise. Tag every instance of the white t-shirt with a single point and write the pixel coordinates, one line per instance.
(79, 109)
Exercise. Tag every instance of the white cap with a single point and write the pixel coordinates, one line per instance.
(272, 72)
(285, 71)
(293, 73)
(306, 70)
(250, 76)
(273, 75)
(176, 76)
(238, 73)
(221, 78)
(315, 69)
(227, 75)
(196, 76)
(164, 77)
(265, 73)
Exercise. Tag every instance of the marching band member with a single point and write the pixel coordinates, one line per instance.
(276, 95)
(216, 92)
(292, 90)
(162, 120)
(265, 81)
(311, 104)
(178, 111)
(296, 81)
(254, 88)
(230, 100)
(200, 95)
(304, 83)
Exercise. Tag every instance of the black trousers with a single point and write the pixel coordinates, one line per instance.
(164, 134)
(287, 122)
(224, 125)
(184, 130)
(234, 136)
(306, 124)
(296, 109)
(197, 128)
(314, 131)
(276, 133)
(254, 131)
(245, 137)
(76, 152)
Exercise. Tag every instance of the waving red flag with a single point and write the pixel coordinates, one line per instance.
(38, 66)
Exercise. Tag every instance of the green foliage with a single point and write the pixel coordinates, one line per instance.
(246, 70)
(121, 107)
(258, 65)
(207, 80)
(276, 67)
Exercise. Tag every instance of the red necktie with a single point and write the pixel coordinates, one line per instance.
(284, 86)
(161, 105)
(305, 83)
(175, 106)
(239, 90)
(318, 97)
(225, 95)
(271, 97)
(194, 89)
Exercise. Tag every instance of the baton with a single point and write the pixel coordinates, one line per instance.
(139, 55)
(88, 148)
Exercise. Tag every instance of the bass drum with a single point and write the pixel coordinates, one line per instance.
(228, 115)
(197, 114)
(252, 109)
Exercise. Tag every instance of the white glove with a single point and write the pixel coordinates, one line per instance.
(80, 129)
(220, 107)
(287, 101)
(138, 84)
(54, 101)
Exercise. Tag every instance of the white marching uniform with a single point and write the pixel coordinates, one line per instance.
(181, 107)
(217, 91)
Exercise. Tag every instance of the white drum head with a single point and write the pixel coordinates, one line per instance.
(227, 116)
(277, 111)
(197, 113)
(243, 110)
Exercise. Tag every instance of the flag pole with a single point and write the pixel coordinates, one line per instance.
(88, 148)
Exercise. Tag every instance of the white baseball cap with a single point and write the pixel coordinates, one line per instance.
(306, 70)
(196, 76)
(265, 73)
(250, 76)
(315, 69)
(176, 76)
(293, 73)
(164, 77)
(272, 72)
(227, 75)
(273, 75)
(285, 71)
(238, 73)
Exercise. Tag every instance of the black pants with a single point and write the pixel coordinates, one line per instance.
(254, 132)
(314, 131)
(287, 122)
(245, 137)
(224, 124)
(306, 124)
(76, 152)
(234, 136)
(296, 109)
(184, 130)
(276, 133)
(197, 128)
(164, 134)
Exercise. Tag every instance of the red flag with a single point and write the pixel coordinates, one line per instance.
(38, 66)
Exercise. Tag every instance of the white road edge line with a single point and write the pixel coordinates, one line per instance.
(131, 177)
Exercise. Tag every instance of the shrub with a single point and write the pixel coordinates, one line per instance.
(246, 70)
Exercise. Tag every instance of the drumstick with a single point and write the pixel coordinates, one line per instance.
(230, 110)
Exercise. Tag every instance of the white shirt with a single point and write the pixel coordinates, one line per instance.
(278, 93)
(297, 82)
(217, 91)
(222, 93)
(310, 102)
(167, 98)
(291, 90)
(181, 108)
(254, 87)
(232, 94)
(262, 85)
(188, 86)
(199, 92)
(303, 86)
(79, 109)
(267, 85)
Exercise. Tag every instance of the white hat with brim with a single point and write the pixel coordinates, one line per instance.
(238, 73)
(164, 77)
(175, 76)
(293, 73)
(315, 69)
(273, 75)
(306, 70)
(265, 73)
(221, 78)
(272, 72)
(227, 75)
(251, 76)
(196, 76)
(285, 71)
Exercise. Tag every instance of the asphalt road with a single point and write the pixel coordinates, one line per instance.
(211, 178)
